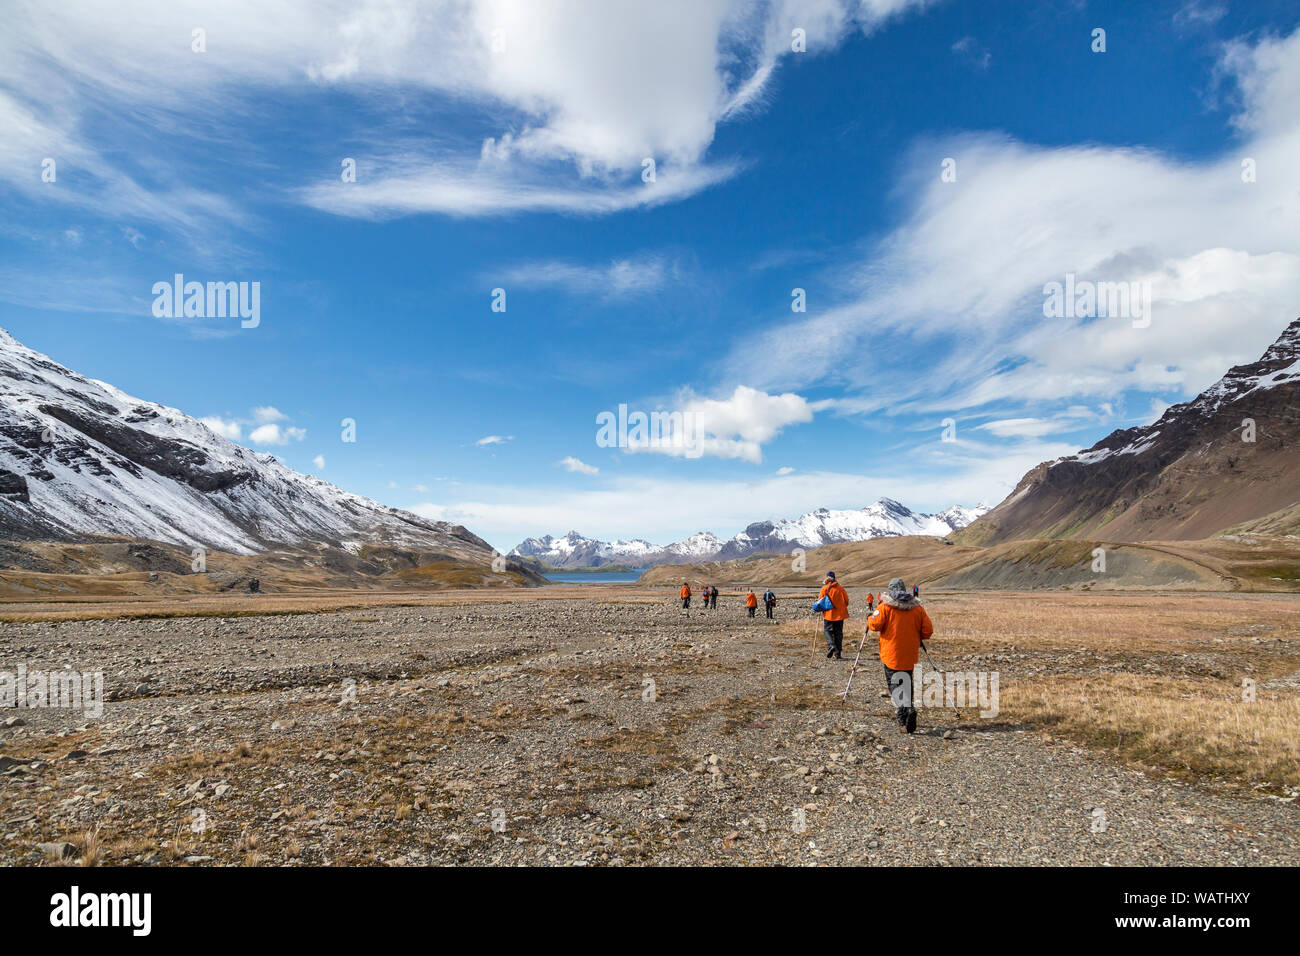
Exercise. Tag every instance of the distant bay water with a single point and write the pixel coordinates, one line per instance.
(595, 577)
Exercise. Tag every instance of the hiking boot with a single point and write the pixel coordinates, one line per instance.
(830, 654)
(911, 720)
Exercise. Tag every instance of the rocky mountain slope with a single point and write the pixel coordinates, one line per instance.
(80, 459)
(1228, 457)
(885, 518)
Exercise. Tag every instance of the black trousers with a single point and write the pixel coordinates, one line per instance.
(686, 602)
(900, 691)
(752, 610)
(834, 631)
(769, 609)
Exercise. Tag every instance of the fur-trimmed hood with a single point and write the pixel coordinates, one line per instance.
(904, 602)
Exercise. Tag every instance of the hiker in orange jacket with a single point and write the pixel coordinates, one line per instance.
(686, 596)
(833, 620)
(902, 624)
(751, 602)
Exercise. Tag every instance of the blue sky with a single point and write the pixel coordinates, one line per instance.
(502, 145)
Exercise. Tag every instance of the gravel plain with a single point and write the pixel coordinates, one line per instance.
(611, 729)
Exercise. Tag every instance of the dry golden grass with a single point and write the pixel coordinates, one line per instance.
(89, 847)
(1196, 728)
(1156, 679)
(109, 607)
(1108, 623)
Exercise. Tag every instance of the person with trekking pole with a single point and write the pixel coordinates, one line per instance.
(713, 597)
(769, 602)
(833, 602)
(903, 626)
(686, 596)
(751, 602)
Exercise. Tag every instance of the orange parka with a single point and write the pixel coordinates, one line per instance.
(751, 600)
(839, 601)
(686, 590)
(901, 632)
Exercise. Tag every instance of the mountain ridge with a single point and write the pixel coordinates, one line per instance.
(81, 459)
(1225, 458)
(813, 529)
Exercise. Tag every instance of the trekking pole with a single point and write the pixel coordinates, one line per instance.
(955, 712)
(854, 669)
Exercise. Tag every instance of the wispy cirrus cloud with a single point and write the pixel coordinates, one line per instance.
(621, 277)
(959, 284)
(972, 52)
(576, 121)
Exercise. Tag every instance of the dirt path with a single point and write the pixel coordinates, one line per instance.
(594, 731)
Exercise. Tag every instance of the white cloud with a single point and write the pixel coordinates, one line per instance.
(1021, 427)
(787, 470)
(620, 278)
(579, 92)
(230, 430)
(1198, 13)
(419, 186)
(957, 288)
(319, 462)
(973, 52)
(266, 432)
(573, 464)
(273, 434)
(734, 427)
(495, 439)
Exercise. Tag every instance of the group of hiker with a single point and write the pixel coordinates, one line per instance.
(895, 615)
(709, 594)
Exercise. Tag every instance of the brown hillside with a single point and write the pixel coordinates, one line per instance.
(1241, 563)
(1188, 476)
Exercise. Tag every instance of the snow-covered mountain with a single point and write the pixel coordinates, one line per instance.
(574, 551)
(79, 457)
(886, 518)
(1227, 457)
